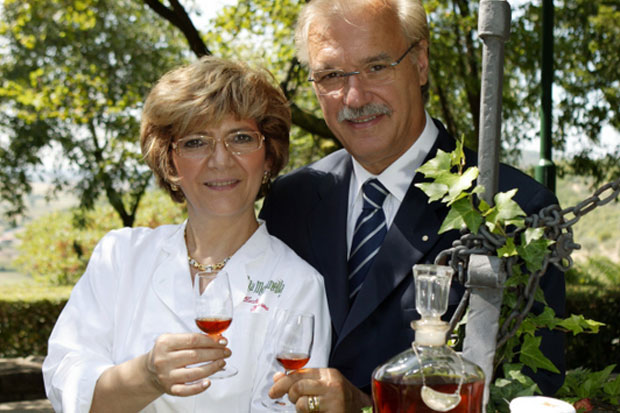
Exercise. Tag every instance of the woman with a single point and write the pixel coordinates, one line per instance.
(213, 132)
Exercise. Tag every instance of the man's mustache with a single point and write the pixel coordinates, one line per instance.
(351, 113)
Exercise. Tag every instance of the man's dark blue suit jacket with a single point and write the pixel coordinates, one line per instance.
(307, 209)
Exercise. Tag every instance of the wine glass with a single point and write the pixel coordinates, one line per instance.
(213, 309)
(294, 336)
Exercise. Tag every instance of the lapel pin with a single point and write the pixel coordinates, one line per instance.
(425, 238)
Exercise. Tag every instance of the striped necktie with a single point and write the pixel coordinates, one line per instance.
(368, 235)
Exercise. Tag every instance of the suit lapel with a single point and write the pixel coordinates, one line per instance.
(327, 232)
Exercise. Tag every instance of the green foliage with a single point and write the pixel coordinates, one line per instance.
(600, 385)
(587, 82)
(262, 31)
(74, 75)
(603, 170)
(468, 212)
(594, 351)
(55, 250)
(586, 78)
(513, 384)
(588, 33)
(27, 315)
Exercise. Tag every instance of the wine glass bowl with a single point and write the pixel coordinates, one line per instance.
(213, 326)
(294, 337)
(213, 309)
(292, 361)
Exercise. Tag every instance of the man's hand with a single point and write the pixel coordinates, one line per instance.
(333, 391)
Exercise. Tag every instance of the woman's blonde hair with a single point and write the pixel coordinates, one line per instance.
(205, 92)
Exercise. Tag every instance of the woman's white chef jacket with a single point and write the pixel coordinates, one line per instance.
(137, 286)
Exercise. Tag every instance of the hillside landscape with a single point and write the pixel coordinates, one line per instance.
(596, 232)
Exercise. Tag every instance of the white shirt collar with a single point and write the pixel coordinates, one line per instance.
(398, 176)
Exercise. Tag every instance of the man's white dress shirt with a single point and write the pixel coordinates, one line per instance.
(396, 178)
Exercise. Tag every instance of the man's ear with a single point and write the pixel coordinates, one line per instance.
(422, 56)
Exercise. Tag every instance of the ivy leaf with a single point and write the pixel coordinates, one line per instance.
(505, 211)
(470, 215)
(435, 191)
(453, 220)
(458, 184)
(517, 278)
(483, 206)
(578, 324)
(532, 357)
(546, 319)
(437, 166)
(533, 234)
(457, 156)
(509, 249)
(514, 384)
(462, 214)
(510, 298)
(528, 326)
(534, 253)
(513, 371)
(540, 296)
(508, 209)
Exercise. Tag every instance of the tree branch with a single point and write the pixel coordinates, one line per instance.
(445, 108)
(311, 123)
(293, 71)
(472, 75)
(179, 18)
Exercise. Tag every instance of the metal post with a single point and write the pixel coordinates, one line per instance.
(493, 29)
(485, 280)
(545, 170)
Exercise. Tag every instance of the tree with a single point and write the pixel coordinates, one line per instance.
(74, 74)
(76, 71)
(588, 82)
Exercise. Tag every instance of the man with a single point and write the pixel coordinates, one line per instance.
(369, 64)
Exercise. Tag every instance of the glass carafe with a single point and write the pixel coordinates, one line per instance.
(430, 376)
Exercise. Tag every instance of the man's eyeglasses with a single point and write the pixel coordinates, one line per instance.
(376, 73)
(201, 146)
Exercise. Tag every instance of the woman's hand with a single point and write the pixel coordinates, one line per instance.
(329, 388)
(167, 368)
(171, 363)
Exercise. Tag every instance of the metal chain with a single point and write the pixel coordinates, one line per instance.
(557, 225)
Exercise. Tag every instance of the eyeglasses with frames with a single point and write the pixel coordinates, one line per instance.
(376, 73)
(200, 146)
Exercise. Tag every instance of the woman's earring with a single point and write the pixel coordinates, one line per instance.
(174, 187)
(266, 177)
